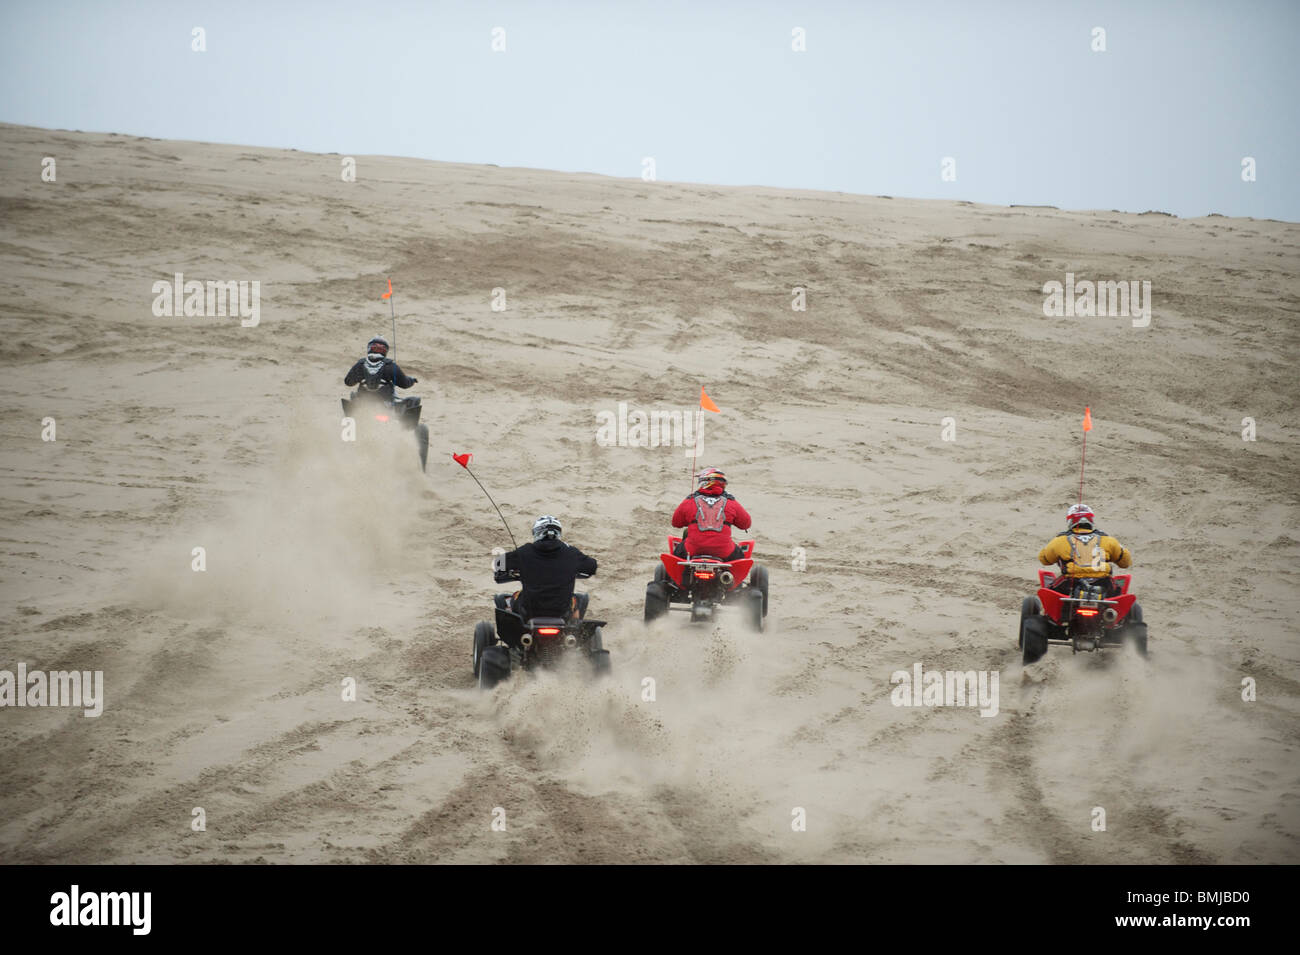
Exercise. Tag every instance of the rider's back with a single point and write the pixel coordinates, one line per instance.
(708, 519)
(377, 376)
(548, 569)
(1087, 553)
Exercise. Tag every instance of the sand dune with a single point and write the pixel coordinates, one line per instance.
(329, 560)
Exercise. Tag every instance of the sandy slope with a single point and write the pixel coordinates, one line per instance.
(329, 560)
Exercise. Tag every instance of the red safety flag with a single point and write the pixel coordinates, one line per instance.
(463, 459)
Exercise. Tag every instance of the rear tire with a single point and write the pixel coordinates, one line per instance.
(1029, 607)
(494, 666)
(484, 636)
(600, 664)
(656, 601)
(1135, 630)
(754, 610)
(1033, 639)
(422, 436)
(758, 579)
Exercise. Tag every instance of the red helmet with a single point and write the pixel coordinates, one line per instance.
(711, 476)
(1079, 514)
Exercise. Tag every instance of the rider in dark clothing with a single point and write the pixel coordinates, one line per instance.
(377, 372)
(547, 568)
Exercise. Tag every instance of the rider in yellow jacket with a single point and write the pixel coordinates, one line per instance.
(1083, 551)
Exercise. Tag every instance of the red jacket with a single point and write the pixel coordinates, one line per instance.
(713, 543)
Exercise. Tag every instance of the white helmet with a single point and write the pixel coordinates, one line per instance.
(546, 527)
(1079, 514)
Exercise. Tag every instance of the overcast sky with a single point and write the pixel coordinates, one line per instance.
(711, 89)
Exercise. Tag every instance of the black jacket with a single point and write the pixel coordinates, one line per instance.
(547, 570)
(388, 376)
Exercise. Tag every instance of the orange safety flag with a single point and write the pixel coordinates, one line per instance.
(389, 293)
(1087, 419)
(707, 403)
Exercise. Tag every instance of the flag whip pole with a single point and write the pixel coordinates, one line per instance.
(463, 460)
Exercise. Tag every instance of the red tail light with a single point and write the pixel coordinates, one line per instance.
(381, 417)
(547, 631)
(704, 575)
(1085, 612)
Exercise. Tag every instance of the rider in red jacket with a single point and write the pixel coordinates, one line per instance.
(707, 516)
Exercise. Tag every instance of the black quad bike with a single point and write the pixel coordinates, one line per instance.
(700, 585)
(1089, 614)
(388, 410)
(515, 643)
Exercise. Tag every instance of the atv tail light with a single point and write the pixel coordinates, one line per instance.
(381, 417)
(548, 631)
(704, 575)
(1087, 612)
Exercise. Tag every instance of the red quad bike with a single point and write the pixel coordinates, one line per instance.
(1088, 619)
(702, 584)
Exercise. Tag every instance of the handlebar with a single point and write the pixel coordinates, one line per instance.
(502, 576)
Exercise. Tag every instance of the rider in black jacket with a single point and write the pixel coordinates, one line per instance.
(547, 568)
(377, 372)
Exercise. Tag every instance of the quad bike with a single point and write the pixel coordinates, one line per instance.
(387, 409)
(702, 584)
(1091, 617)
(516, 643)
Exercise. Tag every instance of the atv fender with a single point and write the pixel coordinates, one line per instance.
(673, 565)
(1051, 602)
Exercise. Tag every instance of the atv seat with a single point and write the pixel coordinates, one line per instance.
(677, 548)
(555, 622)
(580, 600)
(1066, 585)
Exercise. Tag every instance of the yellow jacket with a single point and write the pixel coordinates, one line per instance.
(1085, 554)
